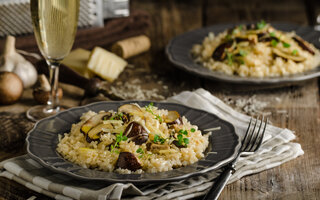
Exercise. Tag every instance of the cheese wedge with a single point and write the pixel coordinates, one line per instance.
(77, 60)
(105, 64)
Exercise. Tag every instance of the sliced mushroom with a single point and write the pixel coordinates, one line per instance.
(157, 147)
(175, 142)
(107, 116)
(241, 39)
(92, 122)
(263, 34)
(127, 160)
(173, 117)
(303, 44)
(131, 109)
(137, 133)
(95, 132)
(125, 117)
(220, 53)
(288, 56)
(267, 38)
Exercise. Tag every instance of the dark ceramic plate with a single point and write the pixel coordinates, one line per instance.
(42, 141)
(178, 52)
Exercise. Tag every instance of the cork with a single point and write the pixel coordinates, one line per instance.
(131, 46)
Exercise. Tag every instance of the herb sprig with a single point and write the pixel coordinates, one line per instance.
(272, 34)
(295, 52)
(230, 58)
(149, 109)
(117, 116)
(119, 137)
(182, 137)
(286, 45)
(274, 42)
(140, 151)
(243, 52)
(261, 24)
(158, 138)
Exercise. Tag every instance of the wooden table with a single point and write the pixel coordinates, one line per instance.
(299, 104)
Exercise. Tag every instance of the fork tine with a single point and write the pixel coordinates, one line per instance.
(252, 142)
(246, 135)
(257, 145)
(247, 144)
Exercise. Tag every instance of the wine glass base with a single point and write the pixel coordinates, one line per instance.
(39, 112)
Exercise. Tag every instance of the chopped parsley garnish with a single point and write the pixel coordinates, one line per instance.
(228, 37)
(237, 29)
(273, 34)
(274, 43)
(158, 117)
(193, 130)
(149, 109)
(230, 58)
(261, 24)
(295, 52)
(242, 52)
(182, 139)
(285, 45)
(117, 116)
(186, 140)
(150, 104)
(119, 137)
(140, 151)
(184, 132)
(158, 138)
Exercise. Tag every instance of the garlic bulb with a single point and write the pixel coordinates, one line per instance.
(12, 61)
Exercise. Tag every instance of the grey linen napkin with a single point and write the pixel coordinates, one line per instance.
(275, 150)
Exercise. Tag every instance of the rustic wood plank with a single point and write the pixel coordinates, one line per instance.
(297, 179)
(71, 97)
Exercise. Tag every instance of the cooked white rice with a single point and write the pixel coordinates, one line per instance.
(74, 147)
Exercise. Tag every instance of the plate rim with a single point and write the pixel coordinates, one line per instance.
(215, 75)
(61, 171)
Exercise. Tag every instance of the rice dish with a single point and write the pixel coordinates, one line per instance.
(256, 50)
(133, 139)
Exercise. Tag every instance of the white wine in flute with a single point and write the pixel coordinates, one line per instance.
(55, 26)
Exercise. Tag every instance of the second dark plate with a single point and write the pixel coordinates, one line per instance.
(178, 52)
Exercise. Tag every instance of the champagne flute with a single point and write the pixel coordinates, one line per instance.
(55, 25)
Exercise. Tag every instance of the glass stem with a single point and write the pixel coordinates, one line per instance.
(53, 102)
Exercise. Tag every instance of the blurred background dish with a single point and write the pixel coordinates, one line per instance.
(179, 53)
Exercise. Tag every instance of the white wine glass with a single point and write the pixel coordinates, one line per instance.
(55, 26)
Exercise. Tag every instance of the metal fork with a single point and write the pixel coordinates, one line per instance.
(250, 143)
